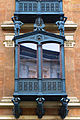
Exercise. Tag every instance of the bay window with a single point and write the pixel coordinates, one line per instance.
(39, 65)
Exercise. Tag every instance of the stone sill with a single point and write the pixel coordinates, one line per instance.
(34, 117)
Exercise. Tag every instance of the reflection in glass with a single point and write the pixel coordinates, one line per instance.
(28, 60)
(51, 60)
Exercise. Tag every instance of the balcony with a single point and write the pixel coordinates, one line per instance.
(28, 10)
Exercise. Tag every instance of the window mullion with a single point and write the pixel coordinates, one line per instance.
(60, 64)
(39, 61)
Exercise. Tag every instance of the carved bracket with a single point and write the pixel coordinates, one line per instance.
(40, 109)
(63, 112)
(17, 25)
(16, 109)
(60, 24)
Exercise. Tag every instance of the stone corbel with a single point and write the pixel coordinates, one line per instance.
(40, 109)
(16, 109)
(63, 112)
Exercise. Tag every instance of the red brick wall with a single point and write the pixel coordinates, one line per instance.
(7, 8)
(72, 55)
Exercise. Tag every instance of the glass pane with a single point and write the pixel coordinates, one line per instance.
(51, 60)
(28, 60)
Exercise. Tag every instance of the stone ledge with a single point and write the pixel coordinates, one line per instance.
(34, 117)
(6, 102)
(34, 104)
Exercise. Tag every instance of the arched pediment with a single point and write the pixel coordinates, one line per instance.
(39, 37)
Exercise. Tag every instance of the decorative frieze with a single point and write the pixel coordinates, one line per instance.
(8, 43)
(69, 43)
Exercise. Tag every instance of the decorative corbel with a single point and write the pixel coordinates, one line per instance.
(17, 25)
(60, 24)
(16, 109)
(40, 109)
(63, 112)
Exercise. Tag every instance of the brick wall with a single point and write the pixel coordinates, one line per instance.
(72, 55)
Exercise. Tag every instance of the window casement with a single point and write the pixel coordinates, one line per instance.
(49, 62)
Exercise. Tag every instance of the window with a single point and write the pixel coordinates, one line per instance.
(28, 60)
(49, 62)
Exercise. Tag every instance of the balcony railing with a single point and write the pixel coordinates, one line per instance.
(32, 6)
(38, 7)
(42, 87)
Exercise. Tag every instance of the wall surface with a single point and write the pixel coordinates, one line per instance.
(72, 64)
(72, 55)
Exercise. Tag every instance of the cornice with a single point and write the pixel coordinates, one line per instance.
(69, 25)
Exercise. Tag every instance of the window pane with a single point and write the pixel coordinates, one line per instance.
(28, 60)
(51, 60)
